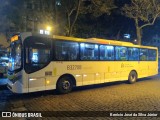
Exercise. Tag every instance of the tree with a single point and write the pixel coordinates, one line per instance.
(143, 12)
(73, 9)
(70, 10)
(100, 7)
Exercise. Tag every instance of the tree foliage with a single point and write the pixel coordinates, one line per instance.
(143, 12)
(99, 7)
(73, 9)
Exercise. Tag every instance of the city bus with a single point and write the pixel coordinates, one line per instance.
(40, 62)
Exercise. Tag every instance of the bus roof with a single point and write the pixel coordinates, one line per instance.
(89, 40)
(112, 42)
(101, 41)
(69, 38)
(119, 43)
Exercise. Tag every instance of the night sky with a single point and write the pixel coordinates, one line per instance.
(112, 26)
(116, 25)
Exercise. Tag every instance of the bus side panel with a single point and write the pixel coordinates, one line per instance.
(36, 81)
(110, 71)
(93, 72)
(147, 68)
(126, 67)
(143, 69)
(152, 68)
(87, 73)
(41, 79)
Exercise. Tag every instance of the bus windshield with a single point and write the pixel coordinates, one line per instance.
(15, 56)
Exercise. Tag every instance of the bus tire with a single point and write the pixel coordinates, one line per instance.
(132, 78)
(64, 85)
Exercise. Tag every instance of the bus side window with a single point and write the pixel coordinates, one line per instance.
(133, 54)
(152, 55)
(67, 50)
(121, 53)
(143, 54)
(106, 52)
(89, 51)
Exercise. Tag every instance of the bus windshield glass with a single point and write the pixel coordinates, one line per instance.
(15, 56)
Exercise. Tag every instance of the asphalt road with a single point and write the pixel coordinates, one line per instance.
(99, 99)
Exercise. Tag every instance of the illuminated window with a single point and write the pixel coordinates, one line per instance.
(133, 54)
(34, 55)
(41, 31)
(89, 51)
(143, 54)
(67, 50)
(106, 52)
(152, 55)
(121, 53)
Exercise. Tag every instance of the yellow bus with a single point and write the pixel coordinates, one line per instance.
(39, 62)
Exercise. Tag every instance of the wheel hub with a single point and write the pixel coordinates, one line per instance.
(66, 85)
(132, 77)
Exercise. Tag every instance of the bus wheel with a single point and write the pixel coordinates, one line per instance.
(64, 85)
(132, 78)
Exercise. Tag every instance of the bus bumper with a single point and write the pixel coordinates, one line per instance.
(15, 87)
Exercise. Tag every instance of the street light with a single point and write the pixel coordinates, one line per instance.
(48, 28)
(135, 41)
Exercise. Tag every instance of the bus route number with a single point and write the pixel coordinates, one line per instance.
(73, 67)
